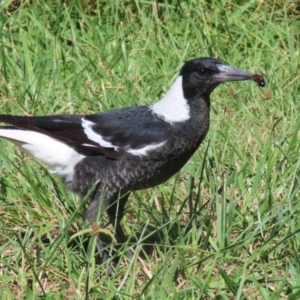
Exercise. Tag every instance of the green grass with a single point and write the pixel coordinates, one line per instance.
(229, 223)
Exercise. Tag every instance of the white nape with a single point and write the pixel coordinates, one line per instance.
(173, 107)
(60, 158)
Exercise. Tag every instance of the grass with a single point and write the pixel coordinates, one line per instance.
(228, 222)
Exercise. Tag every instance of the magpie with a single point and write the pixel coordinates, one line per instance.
(126, 149)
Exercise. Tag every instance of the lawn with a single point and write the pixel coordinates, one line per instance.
(228, 225)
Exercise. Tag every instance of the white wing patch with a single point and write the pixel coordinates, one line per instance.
(144, 151)
(57, 155)
(93, 136)
(97, 138)
(173, 107)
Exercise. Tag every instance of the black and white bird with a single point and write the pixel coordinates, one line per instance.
(126, 149)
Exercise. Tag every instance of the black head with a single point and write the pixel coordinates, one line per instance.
(200, 76)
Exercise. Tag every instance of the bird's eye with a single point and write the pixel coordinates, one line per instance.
(202, 72)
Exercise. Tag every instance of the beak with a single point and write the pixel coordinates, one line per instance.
(227, 73)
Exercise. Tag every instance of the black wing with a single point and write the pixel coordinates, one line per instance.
(130, 128)
(111, 133)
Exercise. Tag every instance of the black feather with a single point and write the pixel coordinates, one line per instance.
(117, 170)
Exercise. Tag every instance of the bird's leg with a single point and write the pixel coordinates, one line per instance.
(116, 213)
(95, 207)
(115, 205)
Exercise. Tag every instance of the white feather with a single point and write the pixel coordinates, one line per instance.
(93, 136)
(144, 151)
(97, 138)
(173, 107)
(57, 155)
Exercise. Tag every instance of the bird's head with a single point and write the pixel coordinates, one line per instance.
(201, 76)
